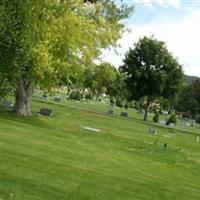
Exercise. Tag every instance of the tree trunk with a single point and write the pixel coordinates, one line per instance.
(147, 108)
(23, 97)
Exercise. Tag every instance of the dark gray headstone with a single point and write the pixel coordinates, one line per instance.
(124, 114)
(46, 112)
(57, 99)
(44, 97)
(110, 112)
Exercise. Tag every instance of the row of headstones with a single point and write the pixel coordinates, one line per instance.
(123, 114)
(6, 103)
(56, 99)
(184, 124)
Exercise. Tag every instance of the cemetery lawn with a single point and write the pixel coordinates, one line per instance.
(55, 158)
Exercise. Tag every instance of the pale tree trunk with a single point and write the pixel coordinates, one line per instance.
(23, 97)
(147, 108)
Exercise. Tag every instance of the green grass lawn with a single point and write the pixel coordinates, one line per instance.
(55, 158)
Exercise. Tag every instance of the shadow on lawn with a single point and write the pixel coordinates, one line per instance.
(34, 120)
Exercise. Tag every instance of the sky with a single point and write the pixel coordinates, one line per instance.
(176, 22)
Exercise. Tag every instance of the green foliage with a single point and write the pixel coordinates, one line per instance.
(5, 86)
(46, 42)
(172, 119)
(112, 101)
(89, 95)
(189, 99)
(119, 102)
(103, 78)
(156, 117)
(151, 71)
(75, 95)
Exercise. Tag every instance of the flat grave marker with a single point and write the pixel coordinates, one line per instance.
(91, 129)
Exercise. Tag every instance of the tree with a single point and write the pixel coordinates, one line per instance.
(151, 71)
(101, 79)
(189, 100)
(105, 77)
(40, 40)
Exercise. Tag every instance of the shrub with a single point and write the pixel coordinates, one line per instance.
(112, 101)
(119, 103)
(172, 119)
(126, 106)
(156, 117)
(75, 95)
(130, 104)
(89, 95)
(136, 106)
(160, 111)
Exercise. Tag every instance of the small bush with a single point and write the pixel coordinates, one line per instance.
(160, 111)
(172, 119)
(112, 101)
(89, 96)
(130, 104)
(156, 118)
(136, 106)
(126, 106)
(197, 118)
(75, 95)
(119, 103)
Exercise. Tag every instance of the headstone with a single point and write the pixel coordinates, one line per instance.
(171, 125)
(7, 104)
(188, 124)
(193, 122)
(44, 97)
(112, 105)
(183, 125)
(162, 122)
(57, 99)
(152, 131)
(124, 114)
(110, 112)
(46, 112)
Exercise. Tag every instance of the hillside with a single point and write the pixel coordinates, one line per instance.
(190, 79)
(57, 158)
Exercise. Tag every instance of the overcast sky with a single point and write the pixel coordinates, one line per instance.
(176, 22)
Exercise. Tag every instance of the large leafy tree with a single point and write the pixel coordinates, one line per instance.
(40, 40)
(151, 71)
(101, 79)
(189, 100)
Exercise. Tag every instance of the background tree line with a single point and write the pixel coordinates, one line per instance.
(55, 43)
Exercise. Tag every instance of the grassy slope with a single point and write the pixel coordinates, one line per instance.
(55, 158)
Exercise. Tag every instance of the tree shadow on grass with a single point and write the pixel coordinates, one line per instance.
(34, 120)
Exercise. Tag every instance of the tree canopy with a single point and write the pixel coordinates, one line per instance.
(151, 71)
(41, 40)
(189, 100)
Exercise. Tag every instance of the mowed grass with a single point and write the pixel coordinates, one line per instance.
(56, 158)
